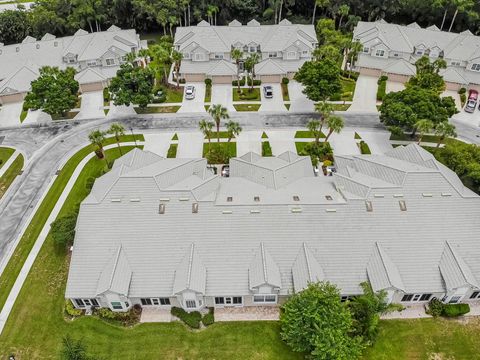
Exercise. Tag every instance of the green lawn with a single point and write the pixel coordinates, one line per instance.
(425, 138)
(246, 107)
(287, 106)
(299, 146)
(348, 89)
(246, 94)
(286, 96)
(10, 174)
(10, 273)
(174, 95)
(230, 146)
(5, 153)
(172, 151)
(23, 115)
(208, 93)
(340, 107)
(305, 134)
(157, 109)
(222, 135)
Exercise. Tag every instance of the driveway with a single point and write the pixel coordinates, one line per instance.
(190, 145)
(394, 86)
(197, 104)
(471, 119)
(37, 117)
(249, 141)
(10, 114)
(222, 94)
(455, 96)
(158, 143)
(365, 97)
(276, 102)
(298, 100)
(121, 110)
(344, 143)
(92, 106)
(281, 141)
(378, 141)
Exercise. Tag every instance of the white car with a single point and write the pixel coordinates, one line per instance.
(190, 92)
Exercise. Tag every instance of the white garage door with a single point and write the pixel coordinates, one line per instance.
(227, 79)
(194, 77)
(271, 78)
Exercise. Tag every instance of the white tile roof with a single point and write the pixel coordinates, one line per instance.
(190, 274)
(306, 269)
(263, 270)
(382, 271)
(455, 271)
(116, 275)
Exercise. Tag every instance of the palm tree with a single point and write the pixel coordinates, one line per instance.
(321, 4)
(97, 138)
(423, 126)
(218, 112)
(325, 110)
(253, 60)
(233, 129)
(177, 59)
(352, 52)
(335, 124)
(73, 350)
(206, 128)
(314, 126)
(117, 130)
(460, 6)
(343, 11)
(237, 55)
(444, 130)
(160, 56)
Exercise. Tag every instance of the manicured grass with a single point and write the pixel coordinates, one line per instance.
(208, 93)
(174, 95)
(106, 111)
(70, 115)
(264, 135)
(348, 89)
(246, 94)
(364, 148)
(287, 106)
(157, 109)
(10, 174)
(221, 135)
(207, 107)
(23, 115)
(286, 96)
(230, 146)
(5, 153)
(172, 151)
(10, 273)
(299, 146)
(425, 138)
(266, 149)
(340, 107)
(305, 134)
(246, 107)
(175, 136)
(357, 136)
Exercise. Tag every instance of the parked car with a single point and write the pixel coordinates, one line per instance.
(472, 101)
(268, 91)
(226, 170)
(190, 92)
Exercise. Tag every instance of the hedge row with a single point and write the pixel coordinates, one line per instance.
(382, 87)
(438, 308)
(193, 319)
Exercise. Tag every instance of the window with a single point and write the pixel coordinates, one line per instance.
(403, 206)
(116, 305)
(296, 198)
(475, 295)
(92, 63)
(190, 304)
(256, 198)
(161, 209)
(265, 299)
(328, 197)
(291, 55)
(305, 52)
(434, 53)
(475, 67)
(219, 301)
(455, 63)
(87, 302)
(146, 302)
(133, 49)
(407, 297)
(419, 52)
(425, 297)
(395, 55)
(369, 206)
(218, 56)
(365, 49)
(252, 49)
(110, 62)
(186, 55)
(344, 298)
(454, 299)
(272, 54)
(229, 199)
(380, 53)
(416, 297)
(79, 302)
(71, 60)
(237, 300)
(164, 301)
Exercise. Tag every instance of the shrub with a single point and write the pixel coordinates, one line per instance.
(182, 81)
(350, 74)
(217, 154)
(172, 151)
(127, 318)
(336, 97)
(266, 148)
(285, 80)
(382, 78)
(208, 319)
(106, 95)
(191, 319)
(247, 95)
(462, 90)
(235, 82)
(463, 98)
(208, 82)
(364, 148)
(89, 183)
(255, 82)
(382, 88)
(327, 163)
(321, 151)
(454, 310)
(71, 310)
(435, 307)
(63, 230)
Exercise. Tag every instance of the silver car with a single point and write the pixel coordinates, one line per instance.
(190, 92)
(268, 91)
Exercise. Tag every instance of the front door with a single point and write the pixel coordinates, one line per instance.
(241, 65)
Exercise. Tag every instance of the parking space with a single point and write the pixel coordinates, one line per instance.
(197, 104)
(10, 114)
(298, 100)
(92, 106)
(222, 94)
(158, 143)
(190, 145)
(365, 97)
(249, 141)
(281, 141)
(393, 86)
(274, 103)
(378, 141)
(344, 143)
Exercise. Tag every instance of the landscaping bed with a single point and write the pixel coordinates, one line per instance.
(156, 109)
(305, 134)
(5, 153)
(266, 149)
(246, 107)
(246, 94)
(68, 116)
(219, 153)
(364, 148)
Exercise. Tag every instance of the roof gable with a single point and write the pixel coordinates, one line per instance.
(455, 271)
(190, 274)
(382, 271)
(306, 269)
(116, 274)
(263, 270)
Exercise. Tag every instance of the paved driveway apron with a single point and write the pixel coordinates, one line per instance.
(222, 94)
(298, 100)
(281, 141)
(92, 106)
(275, 103)
(344, 143)
(190, 144)
(198, 103)
(365, 97)
(378, 141)
(249, 141)
(10, 114)
(158, 143)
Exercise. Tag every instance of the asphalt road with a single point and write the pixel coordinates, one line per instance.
(48, 147)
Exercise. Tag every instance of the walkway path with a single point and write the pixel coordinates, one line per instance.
(7, 308)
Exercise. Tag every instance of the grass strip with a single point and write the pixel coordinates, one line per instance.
(9, 176)
(5, 153)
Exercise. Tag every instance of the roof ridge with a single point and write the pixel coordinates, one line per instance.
(264, 263)
(380, 252)
(190, 261)
(114, 266)
(454, 254)
(309, 270)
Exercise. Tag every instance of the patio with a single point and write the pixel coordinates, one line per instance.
(247, 313)
(155, 314)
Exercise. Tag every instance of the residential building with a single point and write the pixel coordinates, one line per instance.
(392, 50)
(168, 232)
(283, 48)
(96, 57)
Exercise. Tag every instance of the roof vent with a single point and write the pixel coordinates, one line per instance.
(164, 199)
(254, 211)
(369, 206)
(403, 206)
(183, 199)
(161, 208)
(116, 200)
(446, 194)
(296, 210)
(328, 197)
(229, 199)
(330, 210)
(397, 195)
(427, 195)
(296, 198)
(195, 208)
(256, 198)
(135, 200)
(226, 211)
(379, 195)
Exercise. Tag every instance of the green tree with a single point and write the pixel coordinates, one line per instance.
(55, 91)
(160, 61)
(237, 55)
(73, 350)
(177, 60)
(444, 130)
(423, 126)
(460, 6)
(366, 310)
(353, 49)
(321, 79)
(250, 64)
(325, 109)
(328, 52)
(315, 127)
(117, 131)
(315, 322)
(62, 230)
(427, 74)
(321, 4)
(218, 113)
(206, 128)
(132, 85)
(335, 124)
(97, 138)
(343, 11)
(14, 26)
(234, 129)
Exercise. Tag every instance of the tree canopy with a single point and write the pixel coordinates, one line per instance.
(54, 91)
(132, 85)
(427, 76)
(320, 78)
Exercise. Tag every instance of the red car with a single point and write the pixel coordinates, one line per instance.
(472, 101)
